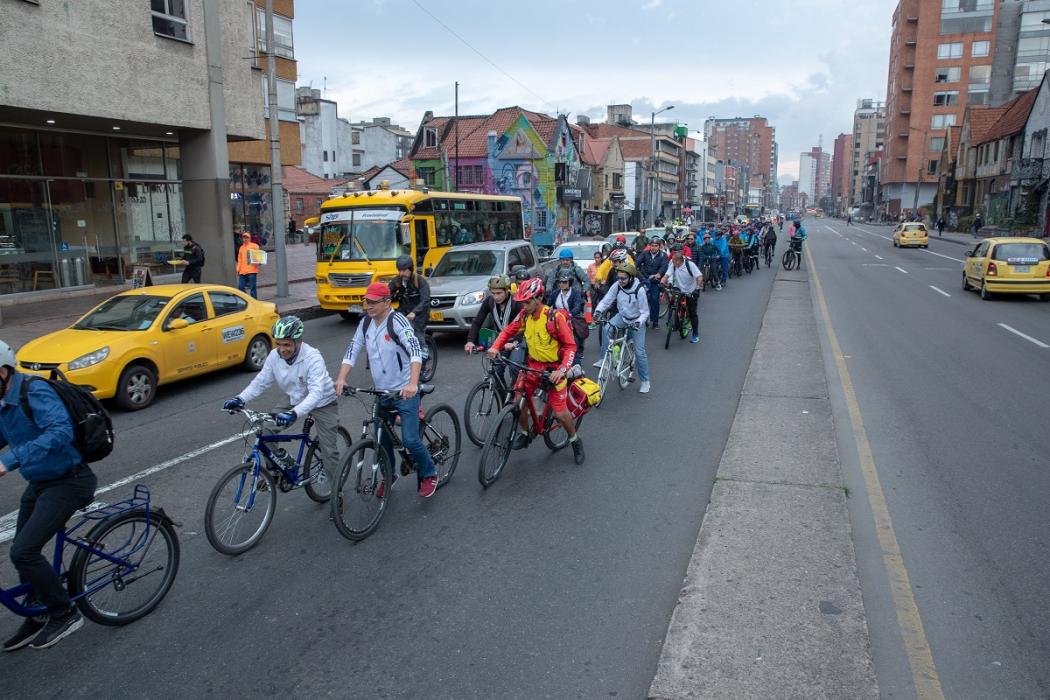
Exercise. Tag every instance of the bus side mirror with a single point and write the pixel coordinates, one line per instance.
(427, 272)
(405, 234)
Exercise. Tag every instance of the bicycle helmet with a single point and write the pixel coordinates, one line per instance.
(531, 288)
(288, 328)
(621, 239)
(627, 268)
(618, 256)
(404, 262)
(676, 248)
(499, 282)
(565, 254)
(565, 275)
(7, 356)
(519, 272)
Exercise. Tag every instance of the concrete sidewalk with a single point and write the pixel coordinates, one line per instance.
(771, 605)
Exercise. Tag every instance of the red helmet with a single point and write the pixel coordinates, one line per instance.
(529, 289)
(621, 238)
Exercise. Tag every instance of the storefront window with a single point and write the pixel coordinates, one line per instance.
(73, 155)
(18, 154)
(251, 201)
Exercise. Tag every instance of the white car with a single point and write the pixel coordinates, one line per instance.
(583, 251)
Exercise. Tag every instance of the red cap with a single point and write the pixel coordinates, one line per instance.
(376, 291)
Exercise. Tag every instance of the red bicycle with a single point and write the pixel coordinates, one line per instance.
(502, 429)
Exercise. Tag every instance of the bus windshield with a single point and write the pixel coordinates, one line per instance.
(359, 234)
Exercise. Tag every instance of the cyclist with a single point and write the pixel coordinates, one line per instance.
(721, 242)
(684, 276)
(59, 483)
(551, 346)
(709, 255)
(565, 262)
(497, 310)
(592, 269)
(798, 237)
(394, 359)
(299, 371)
(632, 313)
(606, 274)
(736, 248)
(651, 266)
(770, 239)
(411, 291)
(566, 296)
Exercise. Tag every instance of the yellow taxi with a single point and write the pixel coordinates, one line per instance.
(911, 234)
(1009, 266)
(133, 342)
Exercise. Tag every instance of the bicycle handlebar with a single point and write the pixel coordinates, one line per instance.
(353, 390)
(253, 416)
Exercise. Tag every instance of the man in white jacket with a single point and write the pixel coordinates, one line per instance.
(632, 312)
(299, 371)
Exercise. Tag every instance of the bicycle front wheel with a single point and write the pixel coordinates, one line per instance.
(112, 593)
(496, 452)
(318, 475)
(441, 434)
(426, 372)
(788, 260)
(672, 321)
(240, 509)
(362, 490)
(555, 437)
(482, 403)
(626, 365)
(605, 373)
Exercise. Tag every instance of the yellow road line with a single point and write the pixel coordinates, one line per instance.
(920, 658)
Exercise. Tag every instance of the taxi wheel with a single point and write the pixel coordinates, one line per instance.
(137, 387)
(985, 294)
(346, 315)
(966, 285)
(255, 356)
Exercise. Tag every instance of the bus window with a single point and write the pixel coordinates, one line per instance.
(367, 234)
(422, 242)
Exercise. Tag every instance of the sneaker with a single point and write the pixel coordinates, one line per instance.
(577, 450)
(58, 627)
(695, 339)
(30, 628)
(428, 486)
(644, 388)
(520, 442)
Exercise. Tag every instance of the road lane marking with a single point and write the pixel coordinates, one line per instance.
(9, 521)
(939, 255)
(901, 269)
(1029, 338)
(864, 249)
(874, 264)
(939, 291)
(880, 257)
(920, 658)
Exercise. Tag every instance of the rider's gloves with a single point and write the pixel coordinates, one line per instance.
(634, 326)
(233, 404)
(286, 418)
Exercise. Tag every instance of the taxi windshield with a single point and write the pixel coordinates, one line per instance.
(124, 313)
(364, 234)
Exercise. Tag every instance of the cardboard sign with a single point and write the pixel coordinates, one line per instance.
(140, 277)
(256, 256)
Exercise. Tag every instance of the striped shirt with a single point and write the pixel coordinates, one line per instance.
(389, 362)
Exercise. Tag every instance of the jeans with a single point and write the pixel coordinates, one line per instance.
(641, 356)
(43, 512)
(408, 409)
(725, 268)
(652, 288)
(246, 283)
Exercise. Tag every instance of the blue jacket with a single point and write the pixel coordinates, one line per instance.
(42, 448)
(722, 243)
(575, 300)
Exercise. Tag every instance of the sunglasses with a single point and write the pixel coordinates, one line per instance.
(623, 278)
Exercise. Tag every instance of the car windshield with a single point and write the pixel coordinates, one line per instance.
(1021, 252)
(124, 313)
(469, 263)
(365, 234)
(579, 252)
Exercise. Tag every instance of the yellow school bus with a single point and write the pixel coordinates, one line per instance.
(363, 233)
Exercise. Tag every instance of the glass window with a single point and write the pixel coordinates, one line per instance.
(357, 159)
(980, 75)
(948, 74)
(526, 256)
(937, 144)
(355, 137)
(953, 50)
(1033, 252)
(977, 97)
(125, 313)
(225, 303)
(932, 167)
(1033, 21)
(945, 99)
(430, 137)
(170, 19)
(469, 263)
(285, 100)
(942, 121)
(979, 48)
(192, 309)
(282, 34)
(362, 234)
(18, 152)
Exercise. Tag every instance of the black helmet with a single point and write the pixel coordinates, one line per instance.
(565, 275)
(676, 248)
(404, 262)
(520, 273)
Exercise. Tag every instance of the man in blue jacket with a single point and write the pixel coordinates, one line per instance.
(41, 449)
(722, 243)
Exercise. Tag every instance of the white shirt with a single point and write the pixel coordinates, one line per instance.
(632, 304)
(306, 381)
(390, 364)
(683, 276)
(562, 300)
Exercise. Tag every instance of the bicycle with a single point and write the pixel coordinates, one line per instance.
(736, 264)
(712, 272)
(751, 259)
(129, 542)
(366, 475)
(793, 255)
(429, 367)
(502, 430)
(248, 492)
(767, 249)
(618, 359)
(485, 399)
(678, 316)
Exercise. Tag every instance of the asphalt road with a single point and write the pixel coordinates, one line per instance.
(955, 409)
(558, 581)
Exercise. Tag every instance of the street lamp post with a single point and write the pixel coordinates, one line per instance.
(652, 163)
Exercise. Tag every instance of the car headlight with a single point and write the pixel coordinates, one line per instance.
(472, 298)
(92, 358)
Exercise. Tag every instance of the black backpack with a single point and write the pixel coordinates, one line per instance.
(201, 249)
(92, 427)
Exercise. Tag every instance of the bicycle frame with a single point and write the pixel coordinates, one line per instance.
(538, 426)
(261, 449)
(140, 500)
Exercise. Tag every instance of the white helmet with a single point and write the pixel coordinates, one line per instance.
(7, 356)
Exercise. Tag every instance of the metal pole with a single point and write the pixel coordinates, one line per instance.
(456, 125)
(276, 191)
(652, 169)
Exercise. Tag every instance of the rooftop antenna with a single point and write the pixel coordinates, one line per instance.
(324, 86)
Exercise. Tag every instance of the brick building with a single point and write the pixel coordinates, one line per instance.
(869, 136)
(749, 144)
(840, 171)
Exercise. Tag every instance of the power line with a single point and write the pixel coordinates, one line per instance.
(483, 56)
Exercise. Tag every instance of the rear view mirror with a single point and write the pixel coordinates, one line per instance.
(177, 324)
(970, 253)
(427, 272)
(405, 234)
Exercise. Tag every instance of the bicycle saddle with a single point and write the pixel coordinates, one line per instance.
(425, 389)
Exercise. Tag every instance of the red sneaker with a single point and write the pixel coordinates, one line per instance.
(428, 486)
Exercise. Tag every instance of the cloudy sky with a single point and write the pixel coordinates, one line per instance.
(802, 64)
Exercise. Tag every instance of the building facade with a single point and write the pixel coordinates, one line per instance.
(869, 134)
(95, 178)
(814, 175)
(749, 144)
(377, 143)
(841, 161)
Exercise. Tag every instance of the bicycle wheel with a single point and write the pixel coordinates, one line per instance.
(626, 365)
(149, 550)
(358, 503)
(788, 260)
(318, 475)
(672, 321)
(426, 372)
(441, 434)
(555, 437)
(240, 509)
(496, 452)
(605, 373)
(482, 403)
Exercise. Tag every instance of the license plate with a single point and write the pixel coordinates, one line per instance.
(437, 316)
(354, 308)
(1022, 268)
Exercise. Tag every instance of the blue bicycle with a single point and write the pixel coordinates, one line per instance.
(241, 506)
(127, 556)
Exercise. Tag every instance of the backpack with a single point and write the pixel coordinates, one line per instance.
(201, 249)
(393, 336)
(92, 427)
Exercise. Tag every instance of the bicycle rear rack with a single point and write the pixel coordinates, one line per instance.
(139, 500)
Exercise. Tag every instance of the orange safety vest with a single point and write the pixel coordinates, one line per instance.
(243, 267)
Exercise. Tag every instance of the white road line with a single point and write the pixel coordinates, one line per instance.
(874, 264)
(9, 521)
(853, 243)
(902, 269)
(939, 291)
(943, 256)
(864, 249)
(1029, 338)
(880, 257)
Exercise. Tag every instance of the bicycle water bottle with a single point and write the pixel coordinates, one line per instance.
(616, 354)
(282, 459)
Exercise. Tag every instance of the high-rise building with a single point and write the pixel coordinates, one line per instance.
(814, 175)
(840, 170)
(1022, 50)
(941, 54)
(869, 132)
(749, 144)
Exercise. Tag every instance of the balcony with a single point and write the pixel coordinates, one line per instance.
(910, 42)
(909, 66)
(905, 88)
(913, 20)
(902, 134)
(906, 110)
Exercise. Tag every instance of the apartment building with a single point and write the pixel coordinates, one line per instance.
(840, 171)
(749, 144)
(814, 175)
(869, 133)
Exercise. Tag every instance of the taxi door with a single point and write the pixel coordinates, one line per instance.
(977, 263)
(190, 350)
(233, 326)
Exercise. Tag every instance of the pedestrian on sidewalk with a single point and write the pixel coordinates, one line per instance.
(247, 272)
(940, 226)
(194, 259)
(978, 223)
(59, 484)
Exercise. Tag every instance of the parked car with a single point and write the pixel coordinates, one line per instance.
(459, 282)
(132, 342)
(583, 251)
(629, 235)
(911, 234)
(1008, 266)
